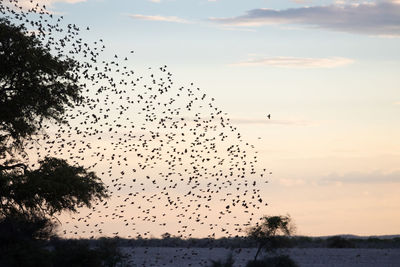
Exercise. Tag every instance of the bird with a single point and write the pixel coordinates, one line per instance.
(269, 116)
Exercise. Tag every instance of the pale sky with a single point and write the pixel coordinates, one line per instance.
(328, 72)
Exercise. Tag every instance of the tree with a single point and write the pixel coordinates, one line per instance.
(36, 87)
(267, 233)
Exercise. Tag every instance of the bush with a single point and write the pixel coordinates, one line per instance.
(277, 261)
(109, 252)
(27, 254)
(20, 228)
(79, 253)
(339, 242)
(75, 253)
(21, 241)
(228, 262)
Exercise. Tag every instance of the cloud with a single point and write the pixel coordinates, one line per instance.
(297, 62)
(381, 18)
(267, 121)
(27, 4)
(155, 1)
(375, 177)
(159, 18)
(301, 1)
(50, 2)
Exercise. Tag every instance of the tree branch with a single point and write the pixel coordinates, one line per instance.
(10, 167)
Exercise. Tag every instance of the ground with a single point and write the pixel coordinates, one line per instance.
(308, 257)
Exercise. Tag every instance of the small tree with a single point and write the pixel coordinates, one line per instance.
(268, 232)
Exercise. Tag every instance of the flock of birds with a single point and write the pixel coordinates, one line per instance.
(169, 156)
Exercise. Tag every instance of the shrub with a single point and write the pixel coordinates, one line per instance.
(277, 261)
(21, 241)
(20, 228)
(79, 253)
(339, 242)
(109, 252)
(228, 262)
(75, 253)
(256, 263)
(28, 254)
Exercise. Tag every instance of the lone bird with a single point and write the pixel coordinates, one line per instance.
(269, 116)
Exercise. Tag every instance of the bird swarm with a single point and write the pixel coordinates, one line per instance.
(169, 156)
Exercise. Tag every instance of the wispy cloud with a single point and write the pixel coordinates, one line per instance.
(159, 18)
(296, 62)
(376, 177)
(48, 2)
(28, 4)
(155, 1)
(380, 18)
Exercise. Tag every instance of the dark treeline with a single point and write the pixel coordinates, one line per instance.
(246, 242)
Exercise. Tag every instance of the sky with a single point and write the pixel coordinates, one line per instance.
(327, 72)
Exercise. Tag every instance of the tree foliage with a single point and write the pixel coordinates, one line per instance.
(35, 85)
(54, 187)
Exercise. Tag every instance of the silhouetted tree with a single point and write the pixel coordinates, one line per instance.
(35, 87)
(267, 233)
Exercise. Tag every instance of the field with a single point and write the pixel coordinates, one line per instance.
(312, 257)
